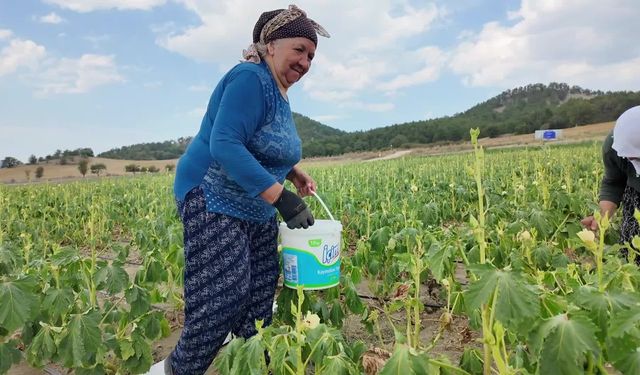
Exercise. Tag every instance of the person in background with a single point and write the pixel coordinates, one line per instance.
(229, 184)
(621, 181)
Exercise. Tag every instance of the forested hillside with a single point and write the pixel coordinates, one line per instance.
(520, 110)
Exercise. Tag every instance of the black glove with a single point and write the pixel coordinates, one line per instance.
(293, 210)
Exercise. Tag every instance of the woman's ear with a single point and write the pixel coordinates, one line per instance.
(271, 47)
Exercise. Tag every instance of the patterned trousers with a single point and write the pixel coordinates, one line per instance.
(629, 227)
(231, 271)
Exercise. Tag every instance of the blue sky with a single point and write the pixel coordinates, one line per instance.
(110, 73)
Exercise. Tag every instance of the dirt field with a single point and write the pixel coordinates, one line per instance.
(56, 172)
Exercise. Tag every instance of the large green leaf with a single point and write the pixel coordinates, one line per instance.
(337, 364)
(58, 302)
(516, 300)
(439, 257)
(625, 354)
(405, 361)
(471, 361)
(80, 340)
(563, 342)
(42, 348)
(19, 302)
(9, 355)
(225, 358)
(65, 256)
(250, 359)
(602, 305)
(142, 360)
(9, 259)
(625, 322)
(138, 299)
(113, 278)
(379, 239)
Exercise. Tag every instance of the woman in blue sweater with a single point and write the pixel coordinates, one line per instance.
(229, 184)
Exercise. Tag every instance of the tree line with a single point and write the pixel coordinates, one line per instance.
(521, 110)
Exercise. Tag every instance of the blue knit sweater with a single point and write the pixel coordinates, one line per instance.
(247, 141)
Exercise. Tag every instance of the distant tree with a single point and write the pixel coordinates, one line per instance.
(27, 172)
(83, 166)
(98, 168)
(33, 159)
(144, 169)
(39, 172)
(57, 154)
(399, 140)
(41, 159)
(153, 169)
(169, 167)
(10, 162)
(64, 160)
(133, 168)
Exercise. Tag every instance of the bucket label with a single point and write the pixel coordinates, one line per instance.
(315, 243)
(330, 253)
(290, 267)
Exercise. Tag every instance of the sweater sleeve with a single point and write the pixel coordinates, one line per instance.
(615, 179)
(240, 113)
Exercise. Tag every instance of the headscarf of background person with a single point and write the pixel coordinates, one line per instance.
(282, 23)
(626, 137)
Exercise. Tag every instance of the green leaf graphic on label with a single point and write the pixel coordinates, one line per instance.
(315, 243)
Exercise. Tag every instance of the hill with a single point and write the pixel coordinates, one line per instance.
(517, 111)
(309, 131)
(54, 171)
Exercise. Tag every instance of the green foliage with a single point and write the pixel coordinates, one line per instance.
(80, 340)
(514, 301)
(83, 165)
(98, 168)
(406, 360)
(564, 342)
(19, 302)
(10, 162)
(9, 355)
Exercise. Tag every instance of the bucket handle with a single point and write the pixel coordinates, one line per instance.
(323, 205)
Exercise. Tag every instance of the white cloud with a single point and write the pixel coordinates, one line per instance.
(20, 53)
(372, 48)
(84, 6)
(431, 59)
(5, 34)
(51, 18)
(585, 42)
(327, 118)
(73, 76)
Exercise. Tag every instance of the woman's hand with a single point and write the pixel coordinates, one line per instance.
(305, 185)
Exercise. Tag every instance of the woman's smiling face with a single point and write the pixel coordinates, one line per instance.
(291, 59)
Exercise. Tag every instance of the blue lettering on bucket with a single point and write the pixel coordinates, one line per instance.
(329, 254)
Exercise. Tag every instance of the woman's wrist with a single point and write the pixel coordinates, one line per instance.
(292, 173)
(272, 193)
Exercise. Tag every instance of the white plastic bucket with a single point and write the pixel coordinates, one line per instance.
(311, 257)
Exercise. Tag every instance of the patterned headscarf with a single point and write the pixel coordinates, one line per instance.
(282, 23)
(626, 136)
